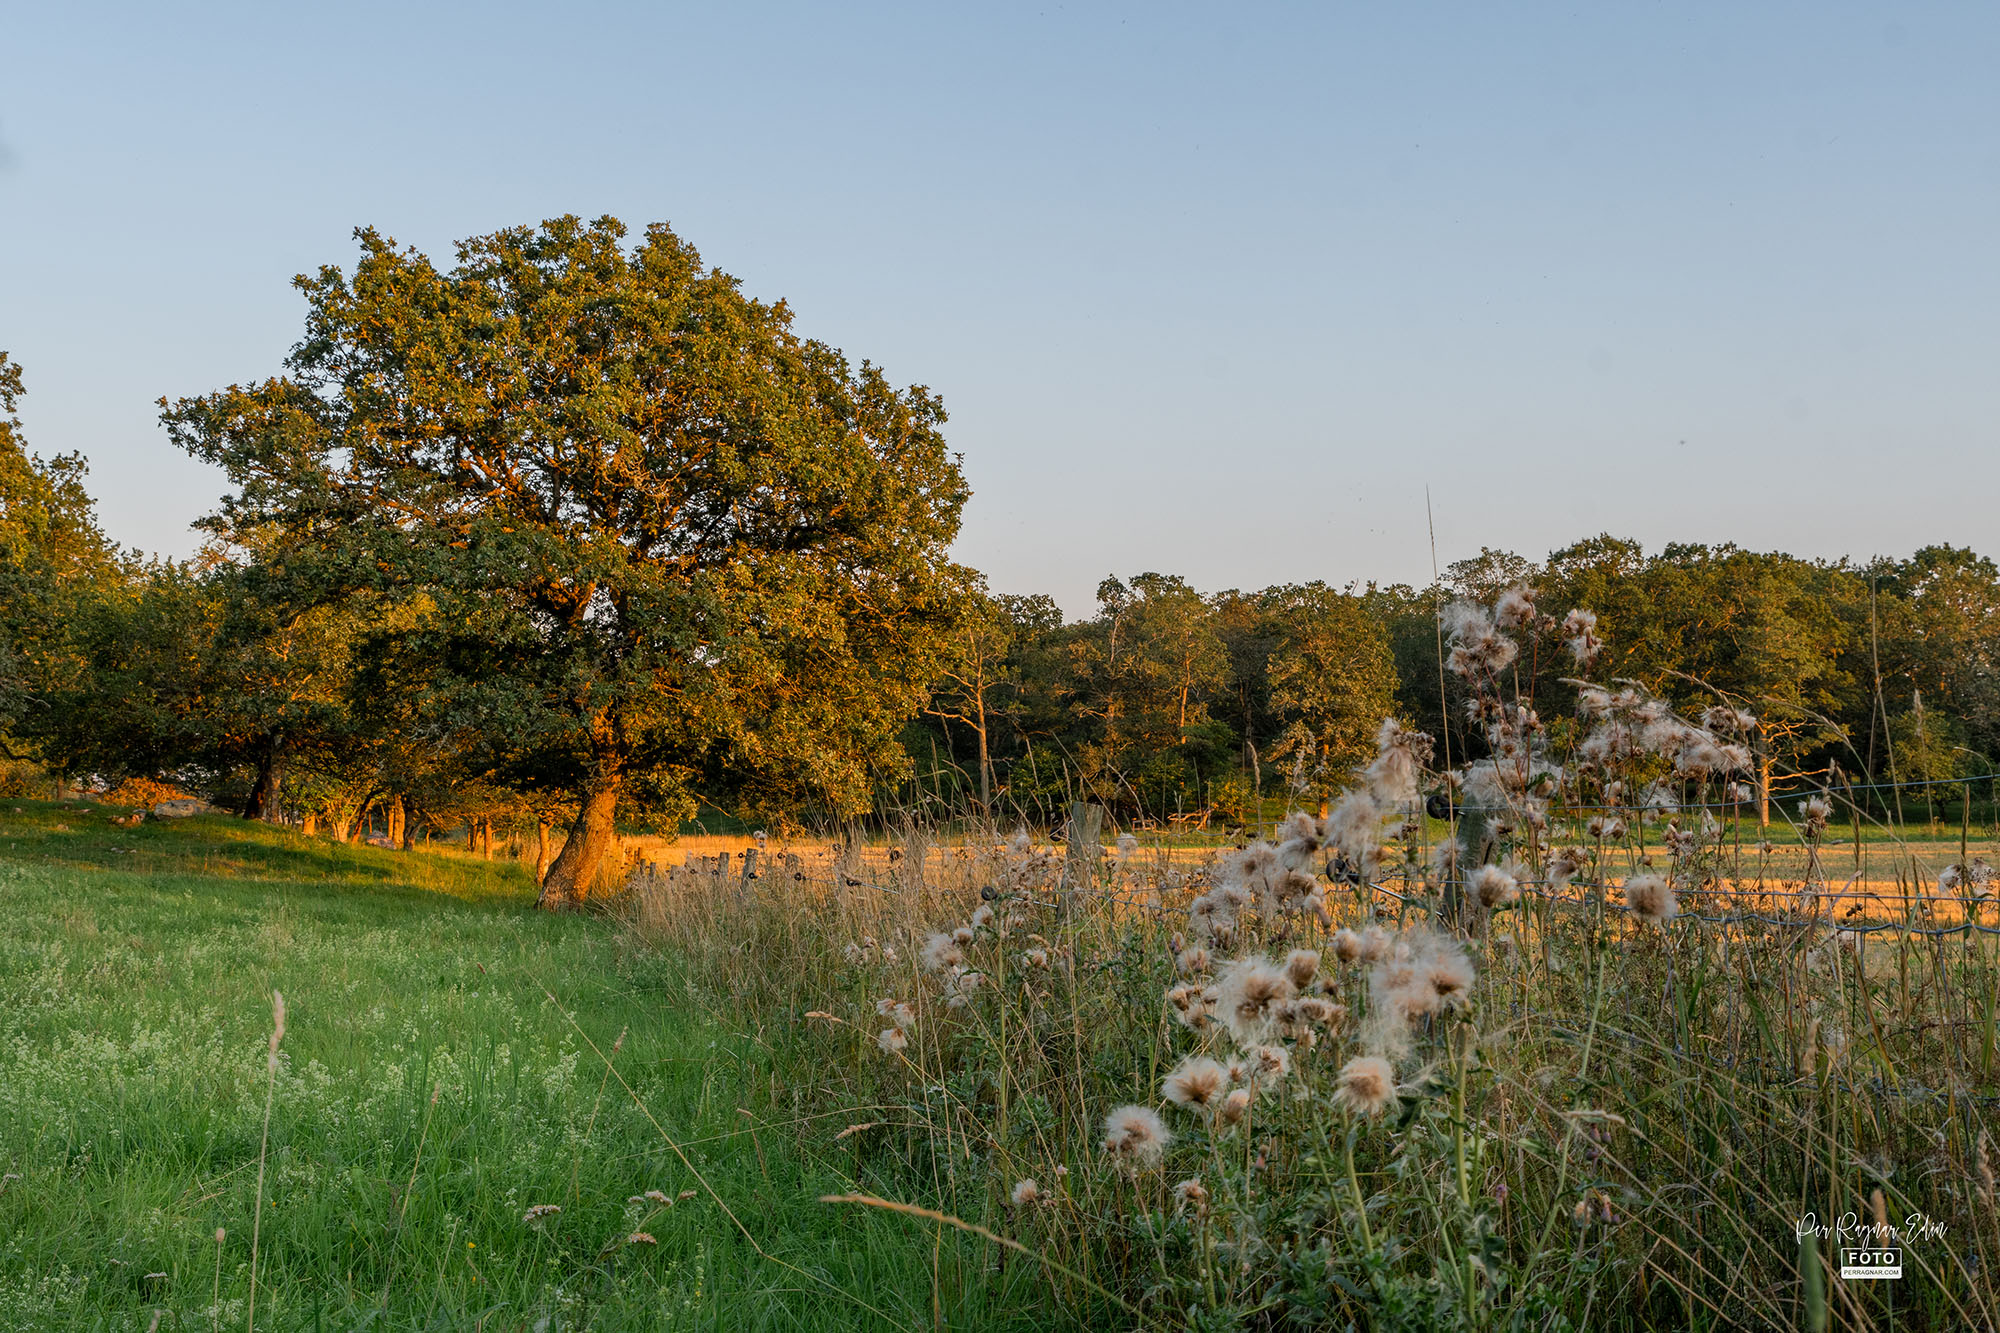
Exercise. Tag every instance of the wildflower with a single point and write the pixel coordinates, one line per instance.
(1234, 1106)
(659, 1197)
(1136, 1136)
(1346, 945)
(1515, 608)
(540, 1213)
(1815, 810)
(1366, 1085)
(641, 1238)
(1192, 1196)
(1025, 1194)
(1563, 865)
(1271, 1063)
(1213, 915)
(1729, 721)
(1651, 899)
(1301, 965)
(1248, 988)
(982, 916)
(1355, 826)
(1300, 828)
(1445, 858)
(1293, 892)
(1478, 647)
(941, 952)
(1036, 958)
(1190, 1005)
(1580, 1215)
(1494, 888)
(1580, 628)
(1399, 755)
(1442, 976)
(963, 935)
(892, 1041)
(1195, 1083)
(1191, 961)
(887, 1006)
(1317, 1011)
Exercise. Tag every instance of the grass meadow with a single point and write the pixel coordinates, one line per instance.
(451, 1060)
(1622, 1125)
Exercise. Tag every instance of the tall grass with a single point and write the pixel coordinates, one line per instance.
(1676, 1058)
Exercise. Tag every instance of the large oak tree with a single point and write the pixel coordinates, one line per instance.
(655, 537)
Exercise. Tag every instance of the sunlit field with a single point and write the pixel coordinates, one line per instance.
(451, 1063)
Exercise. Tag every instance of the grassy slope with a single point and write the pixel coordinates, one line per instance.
(135, 976)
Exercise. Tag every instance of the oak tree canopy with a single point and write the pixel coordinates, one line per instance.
(640, 532)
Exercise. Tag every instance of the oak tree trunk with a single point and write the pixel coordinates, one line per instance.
(263, 802)
(590, 838)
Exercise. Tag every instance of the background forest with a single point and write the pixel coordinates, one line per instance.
(575, 536)
(1168, 704)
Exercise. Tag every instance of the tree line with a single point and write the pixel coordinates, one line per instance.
(574, 534)
(1182, 707)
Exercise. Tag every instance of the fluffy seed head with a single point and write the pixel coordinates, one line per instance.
(1301, 966)
(1136, 1136)
(1249, 989)
(1234, 1106)
(940, 952)
(1025, 1193)
(1196, 1082)
(1494, 887)
(1270, 1064)
(1651, 899)
(1192, 1196)
(892, 1041)
(1366, 1085)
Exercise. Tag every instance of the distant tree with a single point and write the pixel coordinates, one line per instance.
(1332, 680)
(1938, 632)
(1250, 634)
(658, 537)
(54, 562)
(983, 672)
(1485, 576)
(205, 672)
(1149, 664)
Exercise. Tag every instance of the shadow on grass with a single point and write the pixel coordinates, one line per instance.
(80, 835)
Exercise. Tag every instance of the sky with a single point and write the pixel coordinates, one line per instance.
(1253, 294)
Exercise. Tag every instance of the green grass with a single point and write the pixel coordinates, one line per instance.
(428, 1094)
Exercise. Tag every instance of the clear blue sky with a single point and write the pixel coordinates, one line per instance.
(1211, 290)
